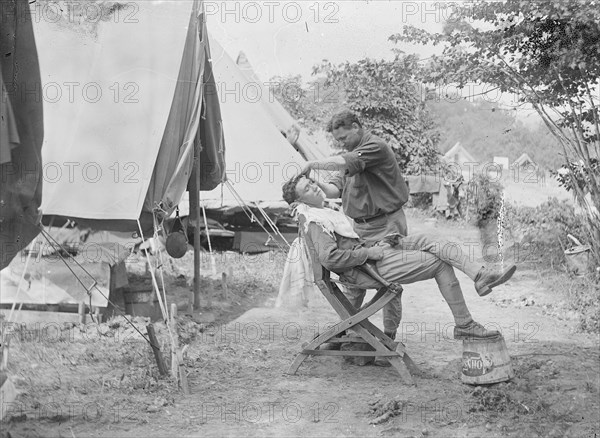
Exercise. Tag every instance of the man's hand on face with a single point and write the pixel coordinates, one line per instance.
(306, 168)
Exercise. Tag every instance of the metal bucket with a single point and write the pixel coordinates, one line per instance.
(578, 259)
(486, 361)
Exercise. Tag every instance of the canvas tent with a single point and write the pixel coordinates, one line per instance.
(122, 147)
(309, 149)
(21, 133)
(524, 161)
(458, 155)
(259, 158)
(125, 106)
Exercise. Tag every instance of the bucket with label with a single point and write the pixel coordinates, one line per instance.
(486, 361)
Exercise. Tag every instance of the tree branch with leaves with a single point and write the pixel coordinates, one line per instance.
(388, 101)
(545, 52)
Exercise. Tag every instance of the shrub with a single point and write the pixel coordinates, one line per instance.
(422, 201)
(544, 228)
(484, 199)
(584, 298)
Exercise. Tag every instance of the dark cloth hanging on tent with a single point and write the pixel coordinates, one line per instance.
(210, 134)
(22, 131)
(194, 116)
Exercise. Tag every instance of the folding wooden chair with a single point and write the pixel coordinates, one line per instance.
(354, 319)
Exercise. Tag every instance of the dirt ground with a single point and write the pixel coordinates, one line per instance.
(102, 380)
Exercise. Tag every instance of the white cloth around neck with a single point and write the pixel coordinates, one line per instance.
(331, 220)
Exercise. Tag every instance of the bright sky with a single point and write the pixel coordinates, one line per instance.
(285, 38)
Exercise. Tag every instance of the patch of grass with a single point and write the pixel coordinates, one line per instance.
(584, 298)
(580, 295)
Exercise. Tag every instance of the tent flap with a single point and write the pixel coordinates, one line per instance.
(259, 158)
(21, 133)
(130, 138)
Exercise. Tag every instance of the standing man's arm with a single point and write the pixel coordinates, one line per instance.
(336, 164)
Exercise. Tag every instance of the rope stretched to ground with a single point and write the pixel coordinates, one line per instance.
(12, 310)
(154, 282)
(272, 224)
(52, 242)
(251, 215)
(213, 265)
(163, 306)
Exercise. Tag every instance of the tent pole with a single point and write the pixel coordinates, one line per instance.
(195, 213)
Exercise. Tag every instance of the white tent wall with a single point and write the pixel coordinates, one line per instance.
(282, 118)
(259, 158)
(107, 94)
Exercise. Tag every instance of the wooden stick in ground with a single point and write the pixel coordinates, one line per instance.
(81, 311)
(224, 285)
(177, 367)
(162, 368)
(175, 346)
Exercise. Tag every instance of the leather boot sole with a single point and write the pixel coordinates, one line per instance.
(485, 290)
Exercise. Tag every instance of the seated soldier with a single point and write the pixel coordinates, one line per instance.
(399, 259)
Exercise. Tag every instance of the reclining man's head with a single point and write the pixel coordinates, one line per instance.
(305, 190)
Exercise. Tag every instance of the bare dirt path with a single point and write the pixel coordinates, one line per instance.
(239, 386)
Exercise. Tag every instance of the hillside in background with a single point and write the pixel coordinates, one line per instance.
(486, 130)
(482, 127)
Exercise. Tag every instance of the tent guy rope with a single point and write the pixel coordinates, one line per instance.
(251, 214)
(48, 237)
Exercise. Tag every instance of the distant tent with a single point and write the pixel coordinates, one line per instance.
(121, 149)
(458, 154)
(524, 161)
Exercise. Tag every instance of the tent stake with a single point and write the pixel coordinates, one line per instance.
(81, 311)
(162, 368)
(177, 368)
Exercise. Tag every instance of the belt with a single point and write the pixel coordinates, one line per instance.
(372, 218)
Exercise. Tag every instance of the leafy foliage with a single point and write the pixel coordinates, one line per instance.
(386, 98)
(541, 233)
(485, 199)
(545, 228)
(545, 52)
(312, 105)
(576, 174)
(584, 298)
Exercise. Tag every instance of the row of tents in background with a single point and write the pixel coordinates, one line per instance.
(458, 154)
(448, 189)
